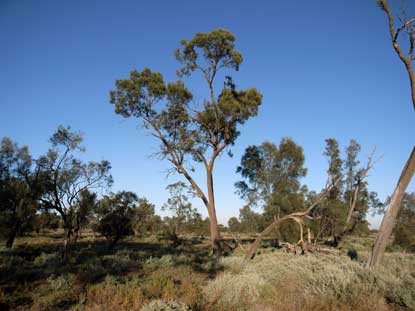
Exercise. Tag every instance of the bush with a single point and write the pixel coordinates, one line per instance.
(161, 305)
(154, 263)
(47, 260)
(112, 294)
(352, 253)
(91, 271)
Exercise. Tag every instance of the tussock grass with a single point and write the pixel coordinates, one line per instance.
(280, 281)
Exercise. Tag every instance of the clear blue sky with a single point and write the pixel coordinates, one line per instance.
(325, 68)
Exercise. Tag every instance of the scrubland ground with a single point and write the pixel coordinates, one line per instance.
(152, 275)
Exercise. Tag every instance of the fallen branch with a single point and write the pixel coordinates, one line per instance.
(297, 217)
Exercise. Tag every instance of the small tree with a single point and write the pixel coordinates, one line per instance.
(145, 220)
(179, 205)
(186, 132)
(67, 180)
(234, 225)
(115, 216)
(86, 205)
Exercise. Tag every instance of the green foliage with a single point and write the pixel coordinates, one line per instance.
(270, 170)
(404, 230)
(184, 131)
(19, 190)
(144, 219)
(217, 48)
(115, 216)
(334, 171)
(271, 181)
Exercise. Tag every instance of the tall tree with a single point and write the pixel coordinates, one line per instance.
(68, 179)
(385, 230)
(332, 210)
(272, 177)
(186, 132)
(335, 169)
(269, 170)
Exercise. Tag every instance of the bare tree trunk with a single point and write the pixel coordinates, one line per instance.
(214, 232)
(11, 237)
(66, 244)
(388, 221)
(352, 205)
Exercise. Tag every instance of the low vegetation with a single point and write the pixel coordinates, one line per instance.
(152, 274)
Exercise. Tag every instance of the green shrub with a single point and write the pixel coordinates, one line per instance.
(48, 260)
(154, 263)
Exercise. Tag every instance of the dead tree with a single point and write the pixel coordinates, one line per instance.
(385, 230)
(298, 217)
(388, 221)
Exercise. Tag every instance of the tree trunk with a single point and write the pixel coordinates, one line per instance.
(12, 235)
(113, 242)
(66, 244)
(254, 247)
(352, 205)
(388, 221)
(214, 233)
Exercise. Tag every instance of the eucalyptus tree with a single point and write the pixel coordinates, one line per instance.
(191, 132)
(335, 168)
(332, 210)
(68, 179)
(271, 171)
(272, 180)
(407, 26)
(19, 189)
